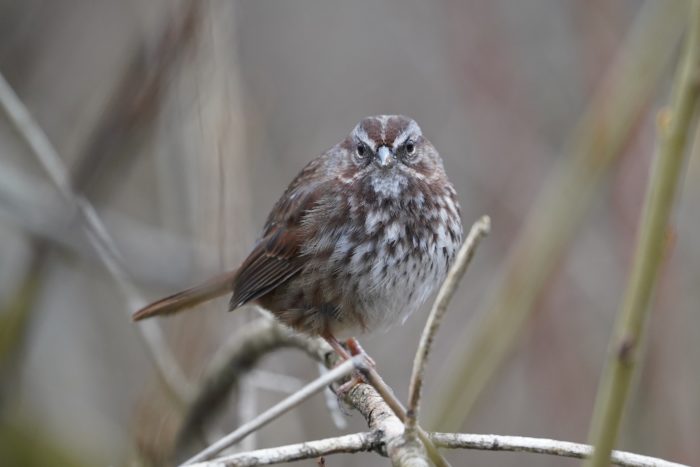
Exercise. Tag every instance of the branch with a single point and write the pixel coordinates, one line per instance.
(630, 327)
(541, 446)
(342, 370)
(363, 397)
(358, 442)
(382, 411)
(408, 452)
(97, 235)
(236, 358)
(480, 229)
(372, 441)
(250, 348)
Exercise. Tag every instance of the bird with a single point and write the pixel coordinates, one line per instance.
(356, 243)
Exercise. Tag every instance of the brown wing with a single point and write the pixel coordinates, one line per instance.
(277, 256)
(273, 261)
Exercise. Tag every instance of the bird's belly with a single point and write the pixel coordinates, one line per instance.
(350, 287)
(383, 288)
(390, 294)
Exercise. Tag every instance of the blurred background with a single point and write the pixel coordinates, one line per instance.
(183, 121)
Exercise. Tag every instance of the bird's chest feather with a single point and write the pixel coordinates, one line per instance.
(378, 256)
(395, 255)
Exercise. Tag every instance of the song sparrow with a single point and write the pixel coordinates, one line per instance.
(357, 242)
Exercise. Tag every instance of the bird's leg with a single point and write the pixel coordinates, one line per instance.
(356, 349)
(337, 346)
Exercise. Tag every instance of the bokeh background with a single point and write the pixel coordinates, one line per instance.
(182, 122)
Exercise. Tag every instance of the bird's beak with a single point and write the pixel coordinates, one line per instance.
(384, 157)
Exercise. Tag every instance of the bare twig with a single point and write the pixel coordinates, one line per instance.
(342, 370)
(247, 411)
(541, 446)
(374, 441)
(357, 442)
(673, 132)
(480, 229)
(235, 359)
(98, 236)
(334, 409)
(363, 397)
(387, 435)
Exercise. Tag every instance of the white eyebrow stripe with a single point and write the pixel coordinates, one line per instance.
(411, 129)
(362, 136)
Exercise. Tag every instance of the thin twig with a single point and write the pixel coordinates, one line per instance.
(625, 344)
(230, 364)
(373, 441)
(334, 409)
(363, 397)
(541, 446)
(358, 442)
(600, 138)
(388, 428)
(247, 411)
(97, 234)
(342, 370)
(479, 230)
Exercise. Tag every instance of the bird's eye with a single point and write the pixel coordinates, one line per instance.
(361, 150)
(410, 148)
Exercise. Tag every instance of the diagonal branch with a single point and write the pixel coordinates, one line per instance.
(237, 357)
(480, 229)
(266, 336)
(363, 397)
(342, 370)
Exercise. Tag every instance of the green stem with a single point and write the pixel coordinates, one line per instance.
(674, 129)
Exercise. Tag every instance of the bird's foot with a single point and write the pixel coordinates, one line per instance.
(353, 349)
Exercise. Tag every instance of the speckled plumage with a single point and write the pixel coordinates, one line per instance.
(357, 242)
(364, 245)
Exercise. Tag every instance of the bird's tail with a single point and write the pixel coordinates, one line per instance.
(214, 287)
